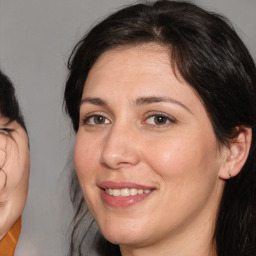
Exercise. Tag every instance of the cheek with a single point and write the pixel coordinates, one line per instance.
(18, 174)
(19, 189)
(184, 158)
(15, 194)
(86, 157)
(189, 177)
(86, 162)
(17, 169)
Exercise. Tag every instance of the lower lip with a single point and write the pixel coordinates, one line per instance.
(121, 202)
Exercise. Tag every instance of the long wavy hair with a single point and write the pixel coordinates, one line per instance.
(213, 60)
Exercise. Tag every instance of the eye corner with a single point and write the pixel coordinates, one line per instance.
(6, 131)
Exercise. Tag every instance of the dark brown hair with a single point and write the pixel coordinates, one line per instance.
(213, 60)
(9, 106)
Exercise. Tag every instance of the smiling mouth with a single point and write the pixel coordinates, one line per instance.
(125, 192)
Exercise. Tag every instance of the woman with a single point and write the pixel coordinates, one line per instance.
(162, 98)
(14, 167)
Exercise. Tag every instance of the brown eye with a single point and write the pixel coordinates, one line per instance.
(159, 120)
(99, 119)
(96, 120)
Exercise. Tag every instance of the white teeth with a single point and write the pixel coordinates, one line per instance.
(133, 191)
(116, 192)
(126, 192)
(140, 191)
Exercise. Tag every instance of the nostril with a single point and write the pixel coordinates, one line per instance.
(115, 164)
(117, 159)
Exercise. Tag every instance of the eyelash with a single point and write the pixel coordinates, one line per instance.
(166, 118)
(6, 131)
(170, 120)
(85, 121)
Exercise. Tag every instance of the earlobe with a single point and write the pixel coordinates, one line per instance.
(237, 155)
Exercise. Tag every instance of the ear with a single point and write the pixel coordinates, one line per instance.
(237, 153)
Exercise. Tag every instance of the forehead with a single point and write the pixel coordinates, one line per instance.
(143, 52)
(135, 70)
(131, 65)
(4, 121)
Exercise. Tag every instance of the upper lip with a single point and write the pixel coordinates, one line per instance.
(121, 185)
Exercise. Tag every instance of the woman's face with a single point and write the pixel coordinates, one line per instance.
(146, 155)
(14, 173)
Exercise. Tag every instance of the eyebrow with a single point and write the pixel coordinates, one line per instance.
(149, 100)
(138, 102)
(94, 101)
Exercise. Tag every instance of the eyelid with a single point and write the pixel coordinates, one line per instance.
(86, 117)
(170, 118)
(6, 131)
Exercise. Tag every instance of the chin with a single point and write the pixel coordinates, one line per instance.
(125, 239)
(124, 236)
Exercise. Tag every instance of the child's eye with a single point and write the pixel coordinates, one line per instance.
(159, 119)
(96, 119)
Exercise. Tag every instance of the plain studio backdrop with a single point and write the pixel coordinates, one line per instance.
(36, 38)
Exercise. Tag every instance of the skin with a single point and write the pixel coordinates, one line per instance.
(180, 158)
(14, 160)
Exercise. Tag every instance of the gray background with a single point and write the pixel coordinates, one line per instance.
(36, 38)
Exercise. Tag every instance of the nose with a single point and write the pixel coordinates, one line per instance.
(120, 148)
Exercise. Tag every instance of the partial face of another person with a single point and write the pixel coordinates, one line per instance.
(14, 174)
(146, 155)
